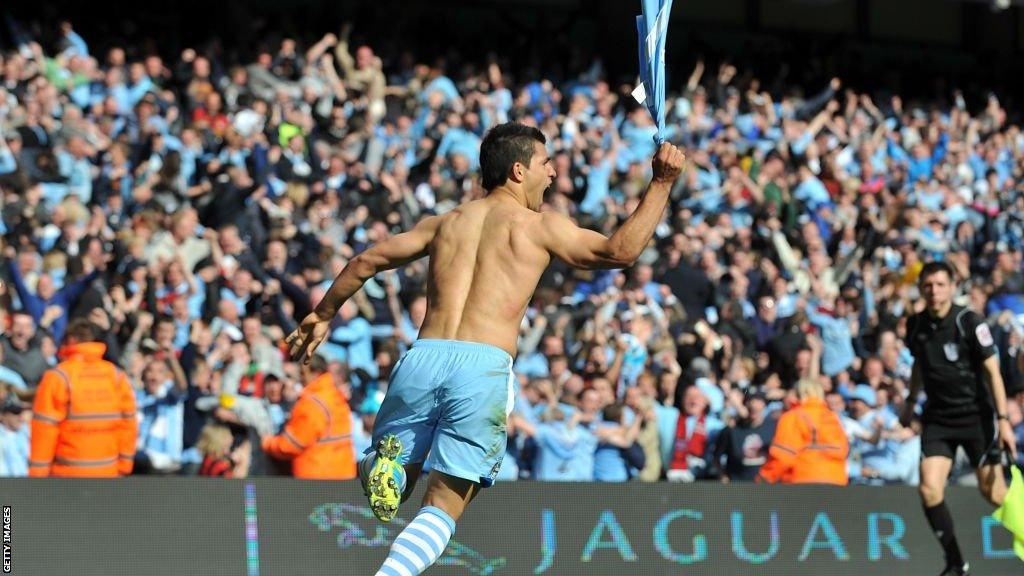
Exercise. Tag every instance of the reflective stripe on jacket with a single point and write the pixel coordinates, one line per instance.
(83, 421)
(810, 447)
(318, 437)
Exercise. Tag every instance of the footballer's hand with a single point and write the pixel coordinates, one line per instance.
(308, 337)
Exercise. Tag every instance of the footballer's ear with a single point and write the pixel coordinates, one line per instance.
(517, 173)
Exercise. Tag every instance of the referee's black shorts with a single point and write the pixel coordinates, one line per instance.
(977, 438)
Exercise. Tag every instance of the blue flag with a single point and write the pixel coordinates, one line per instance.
(652, 30)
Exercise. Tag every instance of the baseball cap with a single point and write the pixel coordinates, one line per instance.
(700, 366)
(865, 394)
(276, 374)
(754, 392)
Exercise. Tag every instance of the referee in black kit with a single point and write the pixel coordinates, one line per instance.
(954, 356)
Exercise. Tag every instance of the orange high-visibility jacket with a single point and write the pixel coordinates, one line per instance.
(318, 437)
(83, 420)
(809, 447)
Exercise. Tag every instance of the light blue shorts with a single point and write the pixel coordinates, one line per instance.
(451, 399)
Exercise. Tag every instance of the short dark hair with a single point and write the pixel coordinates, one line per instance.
(318, 364)
(81, 330)
(503, 146)
(613, 413)
(932, 268)
(798, 319)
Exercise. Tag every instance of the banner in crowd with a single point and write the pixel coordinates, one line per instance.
(280, 527)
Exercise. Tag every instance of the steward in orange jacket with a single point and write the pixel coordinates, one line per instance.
(810, 446)
(318, 437)
(83, 417)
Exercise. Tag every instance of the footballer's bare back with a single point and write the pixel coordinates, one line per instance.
(485, 263)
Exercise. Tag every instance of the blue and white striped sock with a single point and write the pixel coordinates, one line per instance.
(420, 544)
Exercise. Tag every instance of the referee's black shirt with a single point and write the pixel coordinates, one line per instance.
(950, 352)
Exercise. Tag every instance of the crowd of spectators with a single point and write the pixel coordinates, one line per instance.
(194, 208)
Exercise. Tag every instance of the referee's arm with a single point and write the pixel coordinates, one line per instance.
(998, 390)
(907, 414)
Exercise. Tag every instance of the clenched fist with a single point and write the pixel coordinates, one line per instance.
(668, 163)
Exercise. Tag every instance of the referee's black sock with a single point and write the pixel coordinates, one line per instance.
(942, 525)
